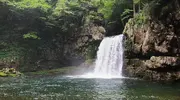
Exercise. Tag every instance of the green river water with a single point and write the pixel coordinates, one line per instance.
(69, 88)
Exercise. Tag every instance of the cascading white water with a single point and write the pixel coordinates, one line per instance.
(109, 60)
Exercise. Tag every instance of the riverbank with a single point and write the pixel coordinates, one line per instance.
(70, 70)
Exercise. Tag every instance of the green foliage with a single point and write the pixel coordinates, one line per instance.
(93, 16)
(140, 18)
(106, 8)
(140, 15)
(11, 53)
(60, 7)
(136, 1)
(31, 35)
(126, 14)
(3, 54)
(158, 8)
(23, 4)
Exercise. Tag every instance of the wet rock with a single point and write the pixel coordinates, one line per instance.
(141, 68)
(153, 48)
(161, 61)
(72, 50)
(98, 32)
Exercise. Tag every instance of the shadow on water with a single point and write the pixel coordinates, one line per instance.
(66, 88)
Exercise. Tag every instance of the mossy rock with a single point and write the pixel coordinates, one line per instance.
(9, 72)
(2, 74)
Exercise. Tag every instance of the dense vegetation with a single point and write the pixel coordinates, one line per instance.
(32, 30)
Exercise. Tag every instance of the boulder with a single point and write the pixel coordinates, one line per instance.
(98, 32)
(147, 70)
(163, 61)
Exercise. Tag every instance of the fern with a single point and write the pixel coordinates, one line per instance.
(126, 15)
(31, 35)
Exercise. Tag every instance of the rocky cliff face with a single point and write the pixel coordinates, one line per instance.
(71, 50)
(83, 45)
(153, 49)
(62, 51)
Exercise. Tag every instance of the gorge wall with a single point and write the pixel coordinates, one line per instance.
(153, 48)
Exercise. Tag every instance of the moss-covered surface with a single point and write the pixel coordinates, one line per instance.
(2, 74)
(11, 72)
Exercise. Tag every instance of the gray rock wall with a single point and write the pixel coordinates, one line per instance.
(153, 49)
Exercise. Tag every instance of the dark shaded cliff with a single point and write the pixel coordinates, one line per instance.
(34, 39)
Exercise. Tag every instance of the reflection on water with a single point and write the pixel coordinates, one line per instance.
(66, 88)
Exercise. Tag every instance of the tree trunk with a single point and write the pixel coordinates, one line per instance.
(139, 5)
(134, 9)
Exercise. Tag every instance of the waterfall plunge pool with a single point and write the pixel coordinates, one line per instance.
(104, 83)
(68, 88)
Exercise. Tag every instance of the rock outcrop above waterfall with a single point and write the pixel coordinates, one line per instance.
(153, 49)
(83, 45)
(74, 50)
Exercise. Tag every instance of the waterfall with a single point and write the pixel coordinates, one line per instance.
(109, 60)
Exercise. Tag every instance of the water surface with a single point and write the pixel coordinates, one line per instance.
(68, 88)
